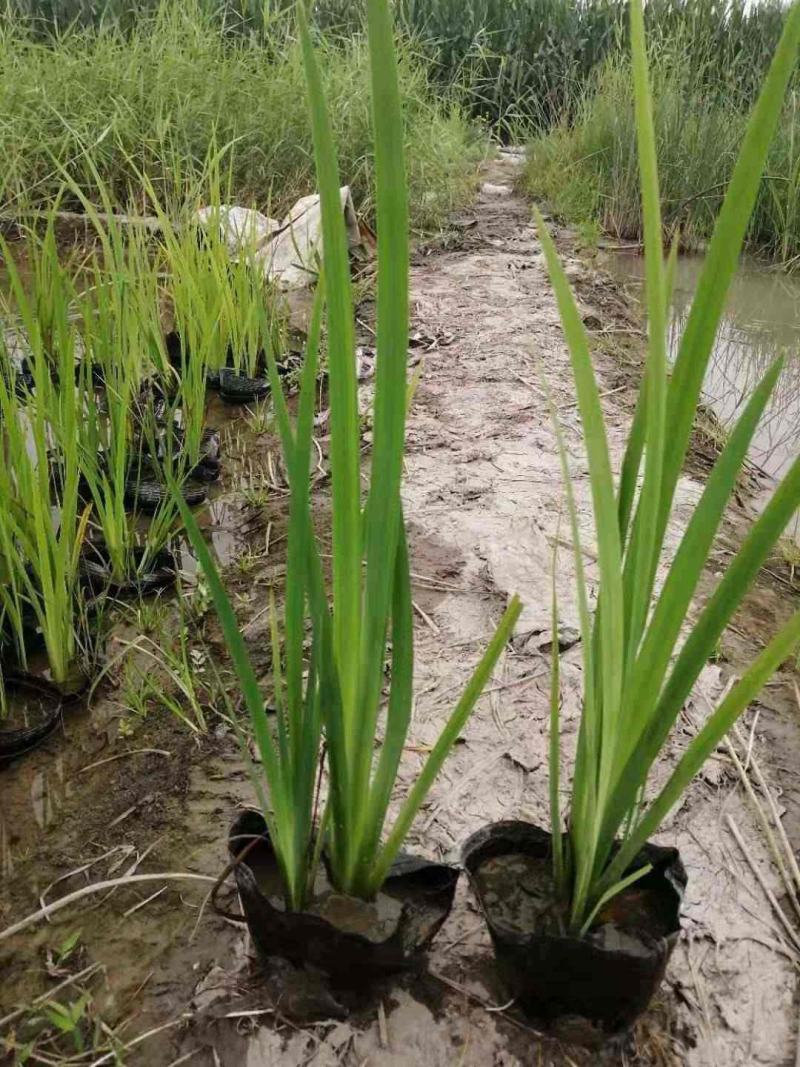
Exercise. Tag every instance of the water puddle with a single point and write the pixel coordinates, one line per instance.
(761, 322)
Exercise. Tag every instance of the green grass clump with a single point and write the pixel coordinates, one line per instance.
(640, 659)
(43, 522)
(109, 105)
(514, 62)
(587, 169)
(347, 639)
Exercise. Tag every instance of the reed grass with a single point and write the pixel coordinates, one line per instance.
(515, 63)
(639, 668)
(586, 167)
(158, 95)
(339, 696)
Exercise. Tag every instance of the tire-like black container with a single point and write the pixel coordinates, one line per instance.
(145, 492)
(393, 933)
(233, 387)
(96, 579)
(209, 465)
(25, 383)
(239, 388)
(587, 989)
(17, 741)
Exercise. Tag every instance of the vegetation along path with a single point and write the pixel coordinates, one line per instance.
(484, 501)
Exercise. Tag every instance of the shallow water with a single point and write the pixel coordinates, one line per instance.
(761, 322)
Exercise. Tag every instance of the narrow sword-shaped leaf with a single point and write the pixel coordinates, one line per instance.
(644, 548)
(345, 460)
(554, 756)
(382, 516)
(398, 713)
(611, 624)
(444, 744)
(736, 702)
(280, 819)
(645, 682)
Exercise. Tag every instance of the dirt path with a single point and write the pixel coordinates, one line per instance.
(483, 484)
(483, 498)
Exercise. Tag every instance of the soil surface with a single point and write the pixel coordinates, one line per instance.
(117, 791)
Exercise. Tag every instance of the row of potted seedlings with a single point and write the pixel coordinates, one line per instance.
(583, 914)
(102, 415)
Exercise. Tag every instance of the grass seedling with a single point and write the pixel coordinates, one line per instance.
(337, 687)
(171, 675)
(248, 313)
(112, 353)
(197, 313)
(42, 525)
(637, 674)
(120, 435)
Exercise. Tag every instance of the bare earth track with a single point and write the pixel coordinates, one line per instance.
(483, 498)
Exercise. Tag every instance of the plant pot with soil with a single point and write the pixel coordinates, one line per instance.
(352, 940)
(31, 710)
(575, 916)
(326, 882)
(585, 988)
(147, 571)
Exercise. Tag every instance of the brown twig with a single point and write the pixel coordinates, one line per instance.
(124, 755)
(97, 887)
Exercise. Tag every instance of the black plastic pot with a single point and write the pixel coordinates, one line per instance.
(144, 490)
(237, 388)
(24, 383)
(16, 741)
(173, 345)
(352, 941)
(97, 580)
(31, 636)
(587, 989)
(209, 465)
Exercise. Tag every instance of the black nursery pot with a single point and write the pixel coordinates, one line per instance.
(354, 942)
(145, 492)
(96, 573)
(587, 989)
(45, 704)
(209, 465)
(237, 388)
(234, 388)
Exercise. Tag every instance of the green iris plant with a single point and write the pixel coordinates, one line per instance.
(638, 671)
(334, 691)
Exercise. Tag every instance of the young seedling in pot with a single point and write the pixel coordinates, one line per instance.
(117, 316)
(42, 524)
(221, 309)
(641, 659)
(332, 690)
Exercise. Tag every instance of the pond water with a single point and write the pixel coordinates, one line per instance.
(761, 321)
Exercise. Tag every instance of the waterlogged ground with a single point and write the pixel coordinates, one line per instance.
(173, 980)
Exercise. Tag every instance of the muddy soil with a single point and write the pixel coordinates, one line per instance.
(116, 792)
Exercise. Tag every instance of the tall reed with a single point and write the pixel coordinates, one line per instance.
(638, 668)
(340, 694)
(587, 168)
(42, 522)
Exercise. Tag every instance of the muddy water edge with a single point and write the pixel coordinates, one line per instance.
(760, 323)
(121, 792)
